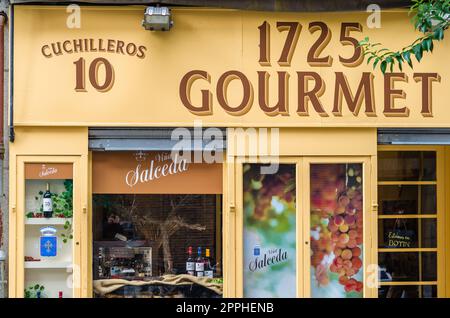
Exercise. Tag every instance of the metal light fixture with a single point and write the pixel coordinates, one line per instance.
(157, 19)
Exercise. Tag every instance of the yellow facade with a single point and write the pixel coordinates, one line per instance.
(51, 117)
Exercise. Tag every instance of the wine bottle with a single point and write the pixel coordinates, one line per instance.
(199, 263)
(190, 262)
(47, 204)
(60, 294)
(209, 269)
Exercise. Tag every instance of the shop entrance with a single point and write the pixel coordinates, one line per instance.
(306, 229)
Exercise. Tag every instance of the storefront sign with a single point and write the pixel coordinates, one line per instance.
(244, 69)
(399, 238)
(159, 167)
(48, 171)
(269, 258)
(153, 172)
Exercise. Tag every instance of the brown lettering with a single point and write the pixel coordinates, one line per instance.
(283, 97)
(111, 46)
(390, 94)
(119, 47)
(247, 96)
(78, 45)
(364, 92)
(427, 80)
(312, 95)
(64, 45)
(313, 58)
(47, 55)
(185, 93)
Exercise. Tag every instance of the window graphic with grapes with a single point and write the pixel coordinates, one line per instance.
(336, 218)
(269, 232)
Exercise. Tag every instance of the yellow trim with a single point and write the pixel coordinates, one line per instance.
(407, 216)
(407, 182)
(303, 217)
(408, 283)
(17, 254)
(407, 250)
(441, 162)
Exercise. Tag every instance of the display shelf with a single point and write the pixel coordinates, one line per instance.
(47, 265)
(46, 221)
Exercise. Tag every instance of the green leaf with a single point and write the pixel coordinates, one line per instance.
(36, 287)
(418, 51)
(383, 66)
(407, 57)
(438, 34)
(376, 62)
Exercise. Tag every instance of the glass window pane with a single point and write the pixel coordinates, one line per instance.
(407, 291)
(429, 266)
(152, 237)
(429, 233)
(397, 233)
(407, 266)
(48, 245)
(336, 230)
(407, 165)
(428, 199)
(404, 233)
(429, 291)
(404, 199)
(269, 232)
(428, 165)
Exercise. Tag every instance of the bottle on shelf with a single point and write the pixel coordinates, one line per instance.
(199, 263)
(101, 272)
(209, 267)
(47, 203)
(38, 294)
(60, 294)
(190, 262)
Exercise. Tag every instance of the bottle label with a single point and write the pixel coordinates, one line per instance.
(209, 274)
(199, 267)
(200, 274)
(47, 205)
(190, 266)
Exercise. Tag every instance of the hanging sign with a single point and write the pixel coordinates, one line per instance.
(48, 241)
(153, 172)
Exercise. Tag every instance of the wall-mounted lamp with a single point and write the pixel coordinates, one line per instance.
(157, 19)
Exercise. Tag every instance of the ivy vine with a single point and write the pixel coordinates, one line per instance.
(430, 17)
(32, 291)
(62, 208)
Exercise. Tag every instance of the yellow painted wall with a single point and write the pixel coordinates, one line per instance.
(146, 90)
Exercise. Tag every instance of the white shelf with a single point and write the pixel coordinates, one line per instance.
(47, 265)
(46, 221)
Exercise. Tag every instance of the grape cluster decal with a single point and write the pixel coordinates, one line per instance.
(336, 229)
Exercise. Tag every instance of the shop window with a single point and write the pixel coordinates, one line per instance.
(269, 232)
(48, 244)
(153, 245)
(407, 224)
(336, 217)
